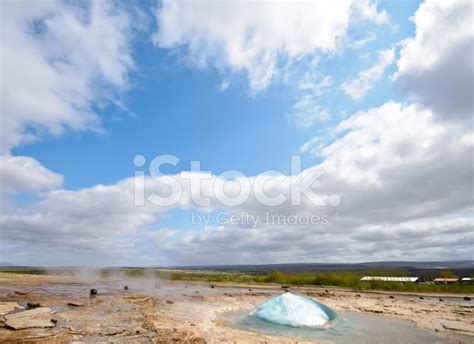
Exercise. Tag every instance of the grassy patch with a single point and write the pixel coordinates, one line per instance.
(342, 279)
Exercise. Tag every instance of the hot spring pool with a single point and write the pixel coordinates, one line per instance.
(349, 327)
(299, 317)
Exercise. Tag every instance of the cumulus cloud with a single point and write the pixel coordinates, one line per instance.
(399, 172)
(411, 240)
(367, 9)
(400, 163)
(78, 226)
(24, 174)
(261, 37)
(58, 59)
(405, 181)
(435, 67)
(358, 87)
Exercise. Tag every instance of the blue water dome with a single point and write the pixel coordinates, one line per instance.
(294, 310)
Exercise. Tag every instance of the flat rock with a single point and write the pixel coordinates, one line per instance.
(457, 326)
(39, 317)
(7, 307)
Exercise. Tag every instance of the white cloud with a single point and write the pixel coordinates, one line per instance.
(425, 239)
(435, 67)
(400, 173)
(24, 174)
(368, 9)
(357, 88)
(307, 111)
(262, 36)
(58, 59)
(369, 38)
(400, 163)
(97, 225)
(405, 181)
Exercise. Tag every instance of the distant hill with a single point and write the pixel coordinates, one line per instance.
(6, 264)
(462, 267)
(456, 264)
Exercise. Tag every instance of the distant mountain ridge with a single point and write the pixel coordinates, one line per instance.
(302, 267)
(461, 266)
(6, 264)
(426, 264)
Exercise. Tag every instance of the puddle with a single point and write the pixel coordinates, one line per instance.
(347, 328)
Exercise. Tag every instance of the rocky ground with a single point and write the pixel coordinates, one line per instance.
(61, 310)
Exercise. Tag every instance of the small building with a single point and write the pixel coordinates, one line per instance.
(446, 280)
(467, 280)
(391, 279)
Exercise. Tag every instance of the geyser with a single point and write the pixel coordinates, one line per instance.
(294, 310)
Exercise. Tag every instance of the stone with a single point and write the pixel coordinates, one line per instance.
(7, 307)
(457, 326)
(33, 304)
(40, 317)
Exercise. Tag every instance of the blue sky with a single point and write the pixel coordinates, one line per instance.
(182, 85)
(175, 109)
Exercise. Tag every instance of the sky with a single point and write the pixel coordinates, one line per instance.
(356, 115)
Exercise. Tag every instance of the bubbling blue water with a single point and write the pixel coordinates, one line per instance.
(294, 310)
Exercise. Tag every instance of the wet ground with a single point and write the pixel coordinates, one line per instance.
(347, 328)
(153, 311)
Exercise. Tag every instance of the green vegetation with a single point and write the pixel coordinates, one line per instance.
(23, 270)
(342, 279)
(446, 274)
(134, 272)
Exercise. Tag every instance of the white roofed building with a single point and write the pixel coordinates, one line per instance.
(391, 279)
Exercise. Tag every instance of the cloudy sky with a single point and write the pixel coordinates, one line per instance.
(375, 99)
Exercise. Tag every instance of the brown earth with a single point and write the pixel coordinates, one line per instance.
(170, 312)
